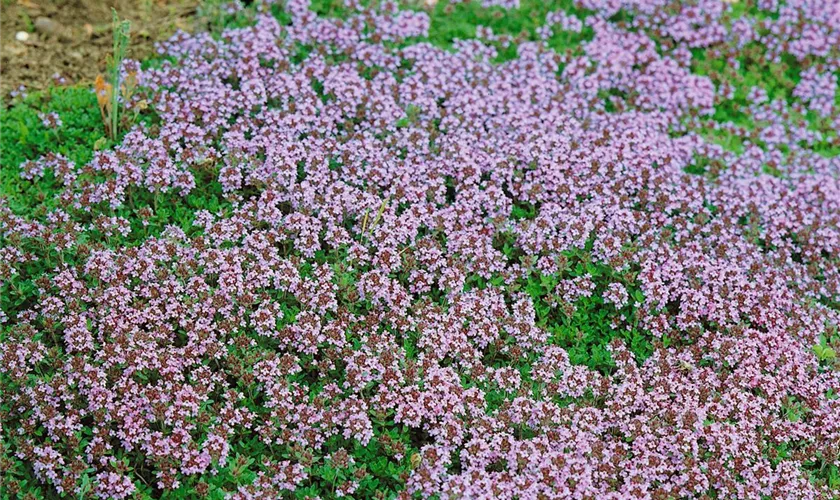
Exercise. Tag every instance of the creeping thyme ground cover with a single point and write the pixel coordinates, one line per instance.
(573, 249)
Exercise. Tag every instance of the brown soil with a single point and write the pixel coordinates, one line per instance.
(75, 39)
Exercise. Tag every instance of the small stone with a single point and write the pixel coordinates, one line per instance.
(21, 36)
(50, 27)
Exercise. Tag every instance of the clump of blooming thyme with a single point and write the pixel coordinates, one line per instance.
(540, 278)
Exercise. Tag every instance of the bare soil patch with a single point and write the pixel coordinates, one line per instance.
(42, 41)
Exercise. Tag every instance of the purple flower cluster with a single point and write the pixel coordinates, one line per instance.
(409, 163)
(50, 120)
